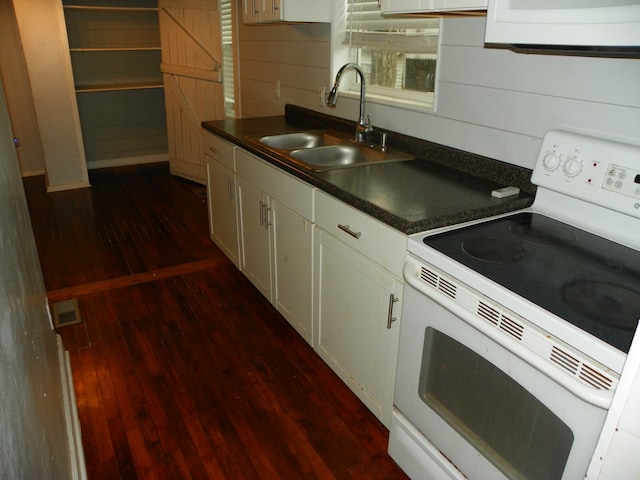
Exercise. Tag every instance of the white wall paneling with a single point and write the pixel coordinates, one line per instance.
(296, 56)
(494, 102)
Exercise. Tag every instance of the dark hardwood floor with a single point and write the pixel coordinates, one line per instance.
(182, 370)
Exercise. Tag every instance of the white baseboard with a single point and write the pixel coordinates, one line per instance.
(78, 467)
(126, 161)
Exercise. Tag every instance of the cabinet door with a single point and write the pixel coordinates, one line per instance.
(221, 196)
(394, 6)
(192, 73)
(265, 11)
(459, 5)
(271, 10)
(292, 237)
(255, 241)
(251, 11)
(353, 306)
(409, 6)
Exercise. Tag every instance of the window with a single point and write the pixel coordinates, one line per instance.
(226, 18)
(397, 54)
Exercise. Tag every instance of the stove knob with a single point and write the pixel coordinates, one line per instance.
(551, 161)
(572, 167)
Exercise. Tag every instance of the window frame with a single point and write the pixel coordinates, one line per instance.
(343, 52)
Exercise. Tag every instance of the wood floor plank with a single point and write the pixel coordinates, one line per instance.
(129, 280)
(182, 369)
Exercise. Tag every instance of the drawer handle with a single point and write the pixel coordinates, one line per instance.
(390, 318)
(347, 228)
(214, 150)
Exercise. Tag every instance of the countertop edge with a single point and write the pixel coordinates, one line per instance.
(298, 118)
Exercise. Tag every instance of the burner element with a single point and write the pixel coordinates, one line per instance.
(492, 250)
(542, 233)
(607, 303)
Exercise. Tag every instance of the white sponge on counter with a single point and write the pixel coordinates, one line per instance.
(505, 192)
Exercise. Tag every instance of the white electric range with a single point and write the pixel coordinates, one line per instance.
(516, 328)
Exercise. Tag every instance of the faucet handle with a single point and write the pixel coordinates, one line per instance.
(383, 141)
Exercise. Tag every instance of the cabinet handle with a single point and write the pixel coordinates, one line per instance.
(274, 9)
(230, 194)
(267, 223)
(261, 213)
(347, 228)
(214, 150)
(390, 318)
(255, 11)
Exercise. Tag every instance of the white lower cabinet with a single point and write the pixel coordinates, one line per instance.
(221, 195)
(276, 238)
(337, 282)
(292, 245)
(255, 240)
(356, 301)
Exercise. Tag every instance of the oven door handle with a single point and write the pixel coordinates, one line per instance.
(596, 397)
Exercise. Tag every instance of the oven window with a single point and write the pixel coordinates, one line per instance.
(502, 420)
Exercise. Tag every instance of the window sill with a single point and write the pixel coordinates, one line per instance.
(399, 103)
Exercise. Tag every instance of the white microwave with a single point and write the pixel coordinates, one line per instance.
(572, 25)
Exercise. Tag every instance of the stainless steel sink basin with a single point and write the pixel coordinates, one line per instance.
(320, 150)
(293, 141)
(340, 156)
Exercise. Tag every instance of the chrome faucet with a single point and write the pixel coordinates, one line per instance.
(364, 128)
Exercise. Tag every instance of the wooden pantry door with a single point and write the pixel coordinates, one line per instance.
(192, 70)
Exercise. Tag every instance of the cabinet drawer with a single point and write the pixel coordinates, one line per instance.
(372, 238)
(285, 188)
(219, 149)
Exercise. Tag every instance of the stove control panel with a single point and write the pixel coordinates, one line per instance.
(622, 180)
(599, 171)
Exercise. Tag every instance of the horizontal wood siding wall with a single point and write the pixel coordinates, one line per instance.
(490, 101)
(503, 102)
(299, 56)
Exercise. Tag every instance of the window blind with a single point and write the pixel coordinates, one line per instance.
(226, 21)
(367, 27)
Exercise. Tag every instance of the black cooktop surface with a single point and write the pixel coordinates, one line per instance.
(587, 280)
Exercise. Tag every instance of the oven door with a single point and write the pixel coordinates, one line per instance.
(483, 401)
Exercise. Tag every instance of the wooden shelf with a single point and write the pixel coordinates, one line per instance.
(114, 88)
(112, 28)
(92, 8)
(118, 49)
(99, 69)
(115, 54)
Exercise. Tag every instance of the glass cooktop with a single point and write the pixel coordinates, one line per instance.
(587, 280)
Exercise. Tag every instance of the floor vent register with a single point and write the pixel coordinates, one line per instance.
(66, 313)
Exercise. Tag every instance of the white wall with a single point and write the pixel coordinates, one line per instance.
(34, 441)
(19, 95)
(46, 50)
(493, 102)
(298, 56)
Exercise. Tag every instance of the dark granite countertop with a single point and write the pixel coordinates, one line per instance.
(442, 186)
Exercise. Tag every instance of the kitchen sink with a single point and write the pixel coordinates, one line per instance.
(292, 141)
(340, 156)
(320, 150)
